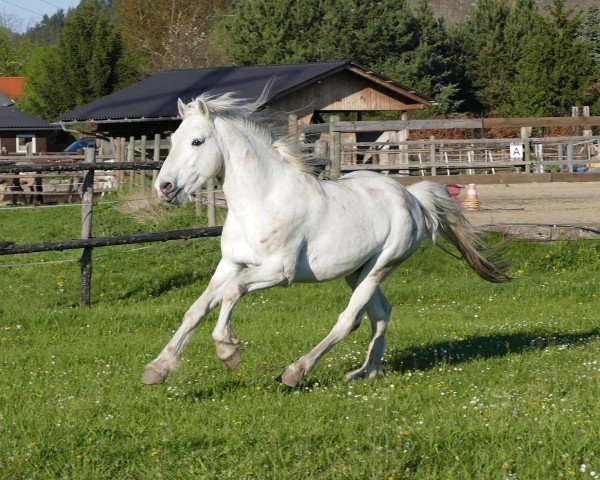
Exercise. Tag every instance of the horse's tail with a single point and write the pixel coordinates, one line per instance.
(446, 218)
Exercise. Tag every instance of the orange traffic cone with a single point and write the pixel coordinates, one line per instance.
(472, 201)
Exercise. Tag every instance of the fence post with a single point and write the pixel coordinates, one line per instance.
(156, 156)
(587, 130)
(525, 134)
(335, 152)
(432, 155)
(122, 156)
(559, 160)
(87, 202)
(130, 158)
(570, 157)
(143, 159)
(211, 208)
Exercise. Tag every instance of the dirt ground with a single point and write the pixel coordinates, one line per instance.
(545, 203)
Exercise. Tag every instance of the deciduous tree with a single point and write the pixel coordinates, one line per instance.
(170, 34)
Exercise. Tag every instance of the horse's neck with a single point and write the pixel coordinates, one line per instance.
(253, 172)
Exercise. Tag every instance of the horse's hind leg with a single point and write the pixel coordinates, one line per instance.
(378, 309)
(369, 280)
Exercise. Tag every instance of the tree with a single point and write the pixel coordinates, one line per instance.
(9, 65)
(86, 63)
(429, 66)
(481, 51)
(46, 31)
(169, 34)
(409, 45)
(589, 33)
(45, 94)
(555, 70)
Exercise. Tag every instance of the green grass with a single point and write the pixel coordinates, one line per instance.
(480, 381)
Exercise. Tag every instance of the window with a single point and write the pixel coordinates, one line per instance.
(23, 140)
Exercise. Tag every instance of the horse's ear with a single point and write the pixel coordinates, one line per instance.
(202, 107)
(182, 107)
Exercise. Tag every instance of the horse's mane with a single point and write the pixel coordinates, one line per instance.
(264, 123)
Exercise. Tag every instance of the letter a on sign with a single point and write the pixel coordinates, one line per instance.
(516, 150)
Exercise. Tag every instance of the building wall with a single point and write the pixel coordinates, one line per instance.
(12, 87)
(8, 141)
(344, 91)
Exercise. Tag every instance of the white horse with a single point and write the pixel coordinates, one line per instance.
(285, 225)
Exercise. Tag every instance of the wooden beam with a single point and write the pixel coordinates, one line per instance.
(540, 122)
(10, 248)
(396, 125)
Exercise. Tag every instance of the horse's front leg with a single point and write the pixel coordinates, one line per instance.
(157, 371)
(251, 279)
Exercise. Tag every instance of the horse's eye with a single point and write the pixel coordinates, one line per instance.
(197, 142)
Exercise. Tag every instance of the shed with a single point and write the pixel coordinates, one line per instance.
(306, 89)
(18, 128)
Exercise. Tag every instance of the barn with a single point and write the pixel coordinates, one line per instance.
(309, 90)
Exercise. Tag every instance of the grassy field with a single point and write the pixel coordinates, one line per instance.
(480, 381)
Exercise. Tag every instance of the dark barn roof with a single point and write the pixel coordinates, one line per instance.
(157, 95)
(12, 119)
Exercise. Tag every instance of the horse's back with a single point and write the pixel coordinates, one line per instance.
(362, 214)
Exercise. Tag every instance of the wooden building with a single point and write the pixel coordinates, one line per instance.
(17, 129)
(308, 90)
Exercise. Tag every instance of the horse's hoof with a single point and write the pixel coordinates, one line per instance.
(291, 377)
(363, 372)
(153, 376)
(355, 375)
(229, 353)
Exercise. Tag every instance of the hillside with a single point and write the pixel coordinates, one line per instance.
(457, 10)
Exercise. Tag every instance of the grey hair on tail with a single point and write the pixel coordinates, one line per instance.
(446, 219)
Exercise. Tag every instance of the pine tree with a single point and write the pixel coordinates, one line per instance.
(86, 63)
(555, 70)
(429, 66)
(46, 31)
(589, 32)
(481, 43)
(45, 95)
(388, 36)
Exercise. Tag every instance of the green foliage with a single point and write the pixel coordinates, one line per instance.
(589, 32)
(86, 63)
(46, 31)
(554, 70)
(9, 63)
(45, 94)
(406, 43)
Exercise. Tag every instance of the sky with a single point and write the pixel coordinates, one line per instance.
(28, 12)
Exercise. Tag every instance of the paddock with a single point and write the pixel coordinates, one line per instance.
(480, 380)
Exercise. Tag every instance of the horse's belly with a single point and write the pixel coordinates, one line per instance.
(332, 258)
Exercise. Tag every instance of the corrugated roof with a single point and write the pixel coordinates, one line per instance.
(157, 95)
(12, 119)
(6, 101)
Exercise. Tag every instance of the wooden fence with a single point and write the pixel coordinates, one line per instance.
(135, 163)
(339, 143)
(87, 242)
(393, 153)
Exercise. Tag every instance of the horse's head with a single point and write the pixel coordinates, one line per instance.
(195, 155)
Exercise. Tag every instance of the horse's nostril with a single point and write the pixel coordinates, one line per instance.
(166, 187)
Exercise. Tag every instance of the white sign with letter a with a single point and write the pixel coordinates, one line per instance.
(516, 150)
